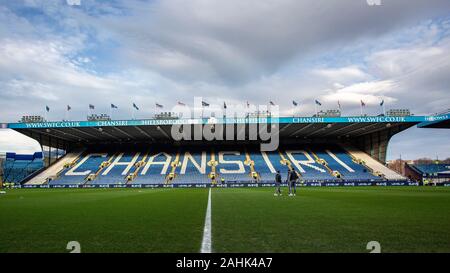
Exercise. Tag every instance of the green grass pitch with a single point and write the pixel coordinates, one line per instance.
(334, 219)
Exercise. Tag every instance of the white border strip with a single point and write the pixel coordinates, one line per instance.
(206, 242)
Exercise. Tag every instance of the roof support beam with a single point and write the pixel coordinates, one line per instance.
(144, 133)
(340, 129)
(101, 131)
(84, 133)
(301, 129)
(319, 130)
(162, 131)
(69, 134)
(123, 132)
(40, 133)
(364, 129)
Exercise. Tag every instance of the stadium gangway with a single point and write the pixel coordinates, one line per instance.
(103, 165)
(288, 163)
(377, 168)
(324, 163)
(173, 172)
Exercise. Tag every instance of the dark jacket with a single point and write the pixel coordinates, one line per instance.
(278, 178)
(294, 176)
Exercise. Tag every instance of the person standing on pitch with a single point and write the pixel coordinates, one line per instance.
(292, 184)
(288, 180)
(292, 176)
(277, 184)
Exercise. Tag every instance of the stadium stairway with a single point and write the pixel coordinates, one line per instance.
(373, 164)
(94, 178)
(52, 171)
(154, 171)
(134, 172)
(324, 163)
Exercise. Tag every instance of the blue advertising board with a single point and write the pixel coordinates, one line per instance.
(235, 185)
(285, 120)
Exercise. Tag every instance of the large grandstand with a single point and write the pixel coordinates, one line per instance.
(129, 186)
(142, 153)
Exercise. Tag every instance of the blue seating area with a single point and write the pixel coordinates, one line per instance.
(433, 169)
(230, 170)
(151, 173)
(17, 167)
(354, 172)
(261, 167)
(193, 165)
(77, 174)
(192, 174)
(307, 166)
(115, 173)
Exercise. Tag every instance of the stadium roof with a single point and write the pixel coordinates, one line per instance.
(438, 121)
(159, 130)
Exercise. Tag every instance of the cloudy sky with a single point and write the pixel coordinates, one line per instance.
(57, 53)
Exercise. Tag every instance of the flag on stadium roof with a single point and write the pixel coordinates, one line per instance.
(248, 104)
(382, 102)
(159, 105)
(47, 108)
(181, 103)
(224, 105)
(362, 103)
(318, 102)
(205, 104)
(135, 106)
(113, 106)
(294, 103)
(91, 106)
(271, 103)
(69, 108)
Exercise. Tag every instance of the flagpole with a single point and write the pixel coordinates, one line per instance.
(315, 107)
(224, 110)
(360, 105)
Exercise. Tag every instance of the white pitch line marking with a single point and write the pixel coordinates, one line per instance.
(206, 242)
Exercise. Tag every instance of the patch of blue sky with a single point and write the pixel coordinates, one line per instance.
(356, 54)
(99, 57)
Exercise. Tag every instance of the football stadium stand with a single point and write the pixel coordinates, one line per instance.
(53, 170)
(322, 150)
(17, 167)
(433, 168)
(197, 165)
(372, 164)
(432, 173)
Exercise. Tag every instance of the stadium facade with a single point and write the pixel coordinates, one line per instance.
(142, 153)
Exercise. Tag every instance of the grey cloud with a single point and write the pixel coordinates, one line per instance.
(242, 40)
(230, 51)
